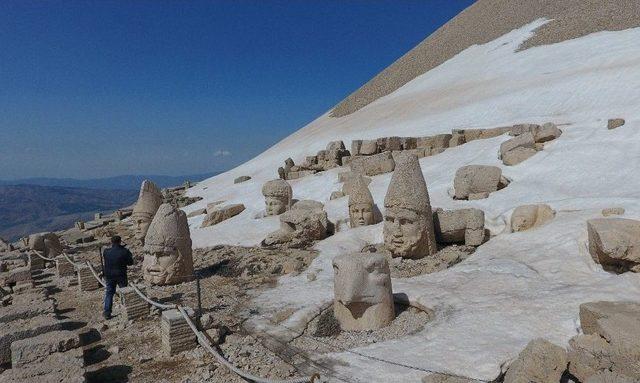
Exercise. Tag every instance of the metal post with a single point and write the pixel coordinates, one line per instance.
(198, 295)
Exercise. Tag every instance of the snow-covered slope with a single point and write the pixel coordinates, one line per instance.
(518, 286)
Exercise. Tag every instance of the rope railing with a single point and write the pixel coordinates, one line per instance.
(151, 302)
(95, 274)
(75, 264)
(204, 342)
(36, 252)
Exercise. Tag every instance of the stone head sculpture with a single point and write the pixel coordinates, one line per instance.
(149, 200)
(408, 226)
(277, 196)
(167, 248)
(363, 298)
(47, 243)
(361, 205)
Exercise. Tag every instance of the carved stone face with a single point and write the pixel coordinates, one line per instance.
(361, 214)
(362, 288)
(167, 249)
(141, 224)
(276, 205)
(405, 233)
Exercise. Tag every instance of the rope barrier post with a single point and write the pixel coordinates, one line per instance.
(198, 295)
(101, 259)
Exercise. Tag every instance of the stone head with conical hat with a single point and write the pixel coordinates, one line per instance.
(149, 200)
(408, 226)
(167, 248)
(277, 196)
(361, 205)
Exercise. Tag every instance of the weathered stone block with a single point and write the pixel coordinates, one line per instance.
(409, 143)
(615, 243)
(515, 156)
(15, 276)
(26, 351)
(615, 123)
(368, 147)
(530, 216)
(524, 140)
(86, 280)
(456, 226)
(62, 367)
(23, 329)
(63, 267)
(134, 306)
(197, 212)
(373, 165)
(241, 179)
(222, 213)
(547, 132)
(477, 179)
(355, 147)
(175, 332)
(26, 309)
(540, 361)
(519, 129)
(612, 211)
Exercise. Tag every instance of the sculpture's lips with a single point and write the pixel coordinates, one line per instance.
(154, 270)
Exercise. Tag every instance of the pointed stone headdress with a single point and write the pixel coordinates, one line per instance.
(149, 199)
(359, 192)
(408, 188)
(169, 230)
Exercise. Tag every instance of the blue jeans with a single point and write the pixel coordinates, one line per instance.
(110, 290)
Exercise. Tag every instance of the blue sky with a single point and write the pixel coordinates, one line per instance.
(100, 88)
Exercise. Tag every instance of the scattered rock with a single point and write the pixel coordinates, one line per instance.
(517, 155)
(615, 123)
(241, 179)
(531, 216)
(477, 181)
(540, 361)
(524, 140)
(612, 211)
(197, 212)
(459, 226)
(614, 243)
(222, 214)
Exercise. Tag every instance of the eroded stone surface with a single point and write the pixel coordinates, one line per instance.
(149, 200)
(459, 226)
(477, 180)
(222, 213)
(530, 216)
(363, 294)
(540, 361)
(408, 227)
(518, 155)
(277, 196)
(35, 349)
(167, 250)
(373, 165)
(615, 243)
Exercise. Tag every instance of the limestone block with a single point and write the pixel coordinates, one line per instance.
(517, 155)
(409, 143)
(588, 354)
(524, 140)
(459, 226)
(86, 280)
(609, 377)
(241, 179)
(368, 147)
(62, 367)
(519, 129)
(26, 309)
(336, 195)
(441, 141)
(457, 139)
(363, 298)
(540, 361)
(63, 267)
(35, 262)
(547, 132)
(134, 306)
(222, 213)
(530, 216)
(15, 276)
(612, 211)
(615, 123)
(346, 160)
(176, 334)
(23, 329)
(35, 349)
(197, 212)
(355, 147)
(592, 312)
(373, 165)
(335, 145)
(477, 179)
(614, 243)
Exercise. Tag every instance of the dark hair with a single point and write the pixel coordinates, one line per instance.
(116, 240)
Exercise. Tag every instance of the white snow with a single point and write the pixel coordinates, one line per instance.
(516, 287)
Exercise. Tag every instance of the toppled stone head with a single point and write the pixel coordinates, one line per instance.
(277, 196)
(167, 249)
(47, 243)
(305, 223)
(408, 226)
(149, 200)
(361, 205)
(363, 298)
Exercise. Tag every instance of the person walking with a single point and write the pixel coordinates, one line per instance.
(116, 260)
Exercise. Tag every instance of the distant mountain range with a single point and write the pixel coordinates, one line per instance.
(125, 182)
(49, 204)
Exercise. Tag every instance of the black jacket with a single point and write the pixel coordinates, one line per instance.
(116, 260)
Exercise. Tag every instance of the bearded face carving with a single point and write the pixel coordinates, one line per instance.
(167, 250)
(363, 298)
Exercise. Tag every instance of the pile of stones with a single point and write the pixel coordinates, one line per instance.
(528, 140)
(333, 156)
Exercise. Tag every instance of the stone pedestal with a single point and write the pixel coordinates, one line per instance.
(63, 267)
(86, 280)
(134, 306)
(35, 262)
(176, 334)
